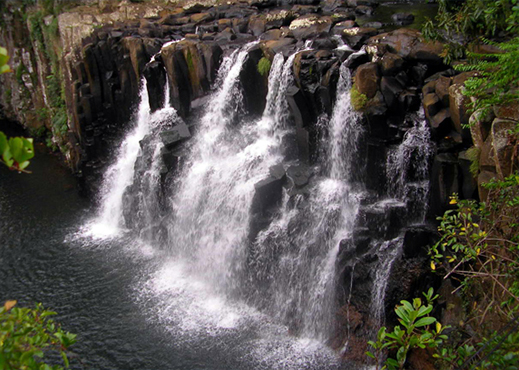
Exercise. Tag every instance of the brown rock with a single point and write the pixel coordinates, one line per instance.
(458, 104)
(367, 79)
(224, 23)
(391, 64)
(441, 88)
(431, 104)
(486, 156)
(310, 26)
(201, 17)
(409, 44)
(480, 125)
(508, 111)
(503, 146)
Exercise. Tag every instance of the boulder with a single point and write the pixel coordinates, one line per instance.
(268, 194)
(409, 44)
(254, 85)
(310, 26)
(483, 178)
(355, 37)
(299, 175)
(367, 79)
(441, 88)
(391, 64)
(156, 80)
(402, 19)
(458, 105)
(171, 138)
(508, 111)
(391, 89)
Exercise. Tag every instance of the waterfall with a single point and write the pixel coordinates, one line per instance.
(213, 275)
(120, 176)
(388, 252)
(213, 195)
(407, 168)
(294, 258)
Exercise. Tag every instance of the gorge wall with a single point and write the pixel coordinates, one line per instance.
(78, 74)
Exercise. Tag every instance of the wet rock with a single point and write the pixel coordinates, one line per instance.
(254, 85)
(299, 176)
(156, 80)
(268, 194)
(171, 138)
(357, 59)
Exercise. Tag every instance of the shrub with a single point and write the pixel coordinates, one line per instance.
(26, 334)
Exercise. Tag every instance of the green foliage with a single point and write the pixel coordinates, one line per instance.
(479, 248)
(460, 24)
(497, 82)
(358, 100)
(417, 331)
(4, 59)
(27, 334)
(264, 66)
(59, 122)
(16, 152)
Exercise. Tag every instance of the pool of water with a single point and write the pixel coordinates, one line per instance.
(132, 305)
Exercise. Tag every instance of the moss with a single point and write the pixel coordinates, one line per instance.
(20, 70)
(264, 66)
(473, 154)
(358, 100)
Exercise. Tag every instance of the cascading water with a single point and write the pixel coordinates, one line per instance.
(208, 262)
(407, 168)
(295, 257)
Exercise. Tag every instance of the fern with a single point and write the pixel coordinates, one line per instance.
(497, 80)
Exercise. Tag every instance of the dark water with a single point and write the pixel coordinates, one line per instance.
(101, 290)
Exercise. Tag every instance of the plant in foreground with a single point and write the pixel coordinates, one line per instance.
(417, 331)
(26, 334)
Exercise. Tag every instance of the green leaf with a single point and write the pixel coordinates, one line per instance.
(424, 310)
(21, 148)
(424, 321)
